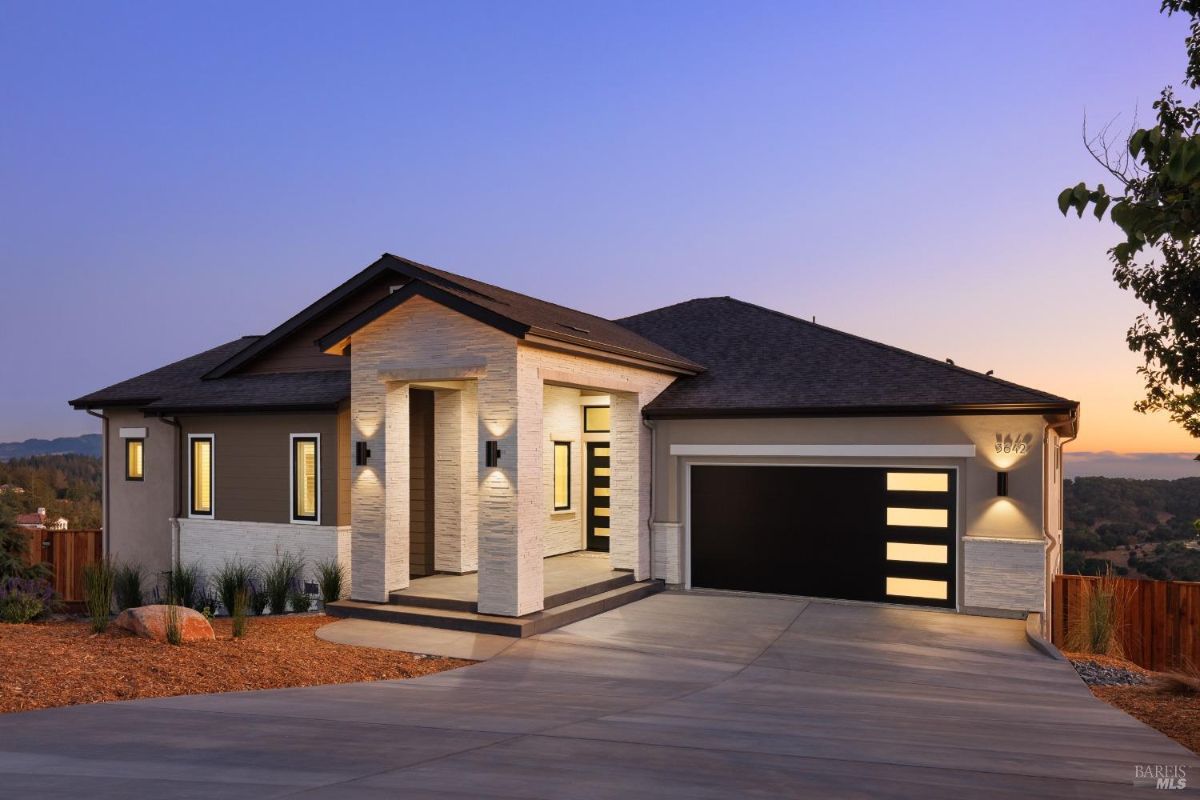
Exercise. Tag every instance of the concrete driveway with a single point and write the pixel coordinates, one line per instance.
(678, 695)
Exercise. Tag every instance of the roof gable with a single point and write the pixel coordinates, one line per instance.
(514, 313)
(764, 362)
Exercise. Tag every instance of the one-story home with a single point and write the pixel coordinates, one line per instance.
(417, 425)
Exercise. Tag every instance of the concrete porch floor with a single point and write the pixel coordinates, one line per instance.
(562, 574)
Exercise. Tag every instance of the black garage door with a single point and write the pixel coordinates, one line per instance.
(852, 533)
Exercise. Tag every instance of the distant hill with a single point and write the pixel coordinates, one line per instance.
(1141, 528)
(88, 445)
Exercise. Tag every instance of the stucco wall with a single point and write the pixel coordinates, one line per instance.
(981, 512)
(140, 512)
(1000, 560)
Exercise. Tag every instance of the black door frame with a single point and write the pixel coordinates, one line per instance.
(955, 501)
(592, 482)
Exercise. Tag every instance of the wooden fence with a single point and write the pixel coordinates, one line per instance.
(1160, 625)
(68, 552)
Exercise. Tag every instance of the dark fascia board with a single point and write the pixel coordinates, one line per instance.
(418, 286)
(174, 411)
(380, 266)
(1069, 408)
(81, 404)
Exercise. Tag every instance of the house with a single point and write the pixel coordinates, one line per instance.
(419, 425)
(40, 521)
(8, 488)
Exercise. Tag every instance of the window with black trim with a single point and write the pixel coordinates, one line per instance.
(306, 477)
(201, 471)
(135, 459)
(562, 476)
(597, 419)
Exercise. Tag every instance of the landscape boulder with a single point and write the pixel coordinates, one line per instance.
(150, 622)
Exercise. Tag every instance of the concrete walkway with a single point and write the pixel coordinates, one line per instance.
(678, 695)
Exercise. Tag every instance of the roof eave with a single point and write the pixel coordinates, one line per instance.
(376, 268)
(86, 404)
(242, 408)
(678, 366)
(1067, 407)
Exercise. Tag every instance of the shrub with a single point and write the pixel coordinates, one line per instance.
(331, 577)
(98, 592)
(14, 555)
(185, 585)
(1177, 683)
(174, 631)
(258, 599)
(127, 585)
(237, 610)
(233, 577)
(301, 602)
(279, 578)
(25, 599)
(1095, 624)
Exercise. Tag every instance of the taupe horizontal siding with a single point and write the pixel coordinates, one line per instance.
(252, 460)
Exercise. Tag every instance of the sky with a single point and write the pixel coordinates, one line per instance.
(173, 176)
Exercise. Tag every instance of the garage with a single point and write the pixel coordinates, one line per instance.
(876, 534)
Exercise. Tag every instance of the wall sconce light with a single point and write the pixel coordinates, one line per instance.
(492, 453)
(361, 454)
(1002, 484)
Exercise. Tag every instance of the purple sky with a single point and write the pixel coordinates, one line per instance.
(174, 176)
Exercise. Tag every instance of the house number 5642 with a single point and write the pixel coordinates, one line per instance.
(1017, 445)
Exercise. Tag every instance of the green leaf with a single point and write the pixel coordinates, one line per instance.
(1101, 204)
(1136, 141)
(1064, 200)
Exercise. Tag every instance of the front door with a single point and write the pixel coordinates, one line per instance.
(598, 482)
(420, 477)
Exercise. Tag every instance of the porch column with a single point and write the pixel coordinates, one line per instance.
(379, 489)
(629, 533)
(511, 512)
(456, 479)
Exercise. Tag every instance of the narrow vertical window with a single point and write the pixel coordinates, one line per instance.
(135, 467)
(562, 476)
(305, 477)
(201, 472)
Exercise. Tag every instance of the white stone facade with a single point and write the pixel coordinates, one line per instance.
(210, 544)
(668, 552)
(488, 386)
(562, 421)
(1003, 574)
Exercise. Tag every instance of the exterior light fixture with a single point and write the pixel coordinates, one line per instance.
(1002, 484)
(361, 454)
(492, 453)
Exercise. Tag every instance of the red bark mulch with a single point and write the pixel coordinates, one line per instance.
(63, 663)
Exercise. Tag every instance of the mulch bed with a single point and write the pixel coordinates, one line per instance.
(1131, 688)
(63, 663)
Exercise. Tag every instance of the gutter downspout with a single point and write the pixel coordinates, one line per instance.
(177, 481)
(650, 513)
(1052, 543)
(104, 526)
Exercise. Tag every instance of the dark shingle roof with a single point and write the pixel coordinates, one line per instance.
(759, 361)
(550, 319)
(179, 387)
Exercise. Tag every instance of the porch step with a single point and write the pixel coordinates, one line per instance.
(469, 621)
(405, 598)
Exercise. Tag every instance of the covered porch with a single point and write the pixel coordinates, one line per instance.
(565, 578)
(478, 478)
